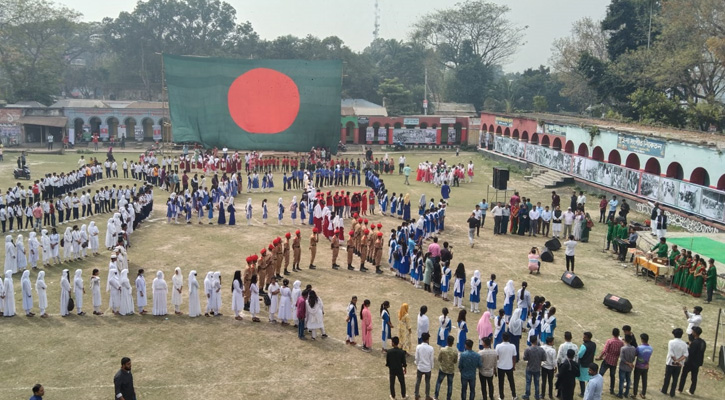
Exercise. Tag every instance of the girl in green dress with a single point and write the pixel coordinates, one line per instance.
(679, 266)
(587, 225)
(699, 279)
(690, 278)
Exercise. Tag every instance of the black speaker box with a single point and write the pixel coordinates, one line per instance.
(572, 280)
(500, 178)
(554, 244)
(547, 255)
(618, 303)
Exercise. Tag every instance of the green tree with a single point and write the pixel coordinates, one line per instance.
(540, 104)
(396, 98)
(630, 24)
(654, 107)
(37, 42)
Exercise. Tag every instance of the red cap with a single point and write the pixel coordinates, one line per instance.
(255, 258)
(287, 235)
(380, 225)
(270, 247)
(249, 260)
(365, 191)
(263, 251)
(367, 231)
(366, 221)
(359, 220)
(354, 215)
(337, 230)
(314, 230)
(380, 234)
(352, 233)
(297, 232)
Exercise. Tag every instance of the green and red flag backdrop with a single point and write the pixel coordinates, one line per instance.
(289, 105)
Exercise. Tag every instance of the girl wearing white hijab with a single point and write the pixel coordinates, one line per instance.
(67, 243)
(110, 233)
(45, 244)
(248, 210)
(76, 245)
(11, 262)
(27, 291)
(280, 211)
(114, 285)
(160, 289)
(126, 305)
(509, 292)
(80, 290)
(9, 294)
(475, 296)
(293, 210)
(93, 237)
(296, 293)
(492, 292)
(194, 306)
(2, 297)
(20, 253)
(65, 290)
(141, 294)
(84, 241)
(177, 283)
(208, 291)
(41, 288)
(216, 294)
(33, 250)
(96, 292)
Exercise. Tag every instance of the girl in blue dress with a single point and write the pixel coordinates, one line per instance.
(222, 220)
(509, 292)
(264, 211)
(387, 326)
(400, 206)
(264, 182)
(492, 291)
(352, 324)
(462, 331)
(270, 181)
(445, 282)
(444, 329)
(384, 202)
(406, 207)
(170, 210)
(248, 211)
(303, 209)
(249, 182)
(499, 327)
(414, 275)
(231, 211)
(548, 325)
(393, 205)
(534, 327)
(280, 211)
(458, 285)
(293, 210)
(475, 297)
(255, 181)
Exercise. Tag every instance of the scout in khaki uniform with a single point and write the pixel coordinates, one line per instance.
(285, 252)
(271, 260)
(350, 251)
(313, 247)
(278, 257)
(358, 236)
(378, 253)
(262, 270)
(296, 251)
(335, 246)
(363, 249)
(247, 279)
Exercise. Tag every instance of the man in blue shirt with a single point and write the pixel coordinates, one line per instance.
(613, 207)
(484, 208)
(38, 392)
(596, 383)
(468, 363)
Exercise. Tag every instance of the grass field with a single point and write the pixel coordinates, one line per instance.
(176, 357)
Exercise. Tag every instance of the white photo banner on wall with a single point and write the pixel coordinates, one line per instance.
(382, 134)
(414, 135)
(369, 134)
(691, 198)
(688, 198)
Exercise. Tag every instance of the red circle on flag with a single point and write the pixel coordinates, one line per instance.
(264, 101)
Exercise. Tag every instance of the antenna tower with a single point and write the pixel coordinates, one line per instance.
(376, 31)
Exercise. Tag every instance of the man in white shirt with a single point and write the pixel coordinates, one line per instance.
(401, 164)
(676, 355)
(693, 319)
(564, 347)
(545, 221)
(506, 365)
(498, 224)
(569, 252)
(533, 221)
(424, 362)
(568, 221)
(581, 201)
(548, 367)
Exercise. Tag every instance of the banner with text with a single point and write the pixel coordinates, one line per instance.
(650, 147)
(414, 135)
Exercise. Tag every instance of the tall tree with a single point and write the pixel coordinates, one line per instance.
(37, 41)
(631, 25)
(476, 24)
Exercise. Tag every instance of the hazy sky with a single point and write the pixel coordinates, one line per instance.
(353, 20)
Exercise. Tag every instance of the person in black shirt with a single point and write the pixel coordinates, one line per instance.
(568, 372)
(696, 354)
(586, 359)
(395, 361)
(473, 223)
(123, 381)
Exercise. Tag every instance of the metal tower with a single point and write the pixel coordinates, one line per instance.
(376, 31)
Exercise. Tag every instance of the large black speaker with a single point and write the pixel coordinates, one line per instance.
(500, 178)
(554, 244)
(572, 280)
(618, 303)
(547, 255)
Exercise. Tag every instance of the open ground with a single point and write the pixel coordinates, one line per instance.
(176, 357)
